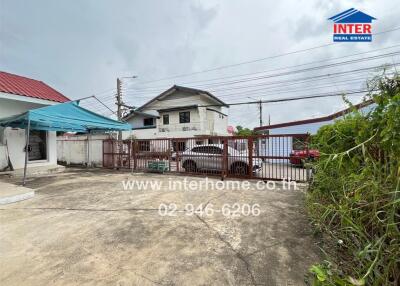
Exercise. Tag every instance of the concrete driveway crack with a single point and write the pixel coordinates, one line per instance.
(227, 243)
(213, 198)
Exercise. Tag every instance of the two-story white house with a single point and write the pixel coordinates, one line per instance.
(180, 112)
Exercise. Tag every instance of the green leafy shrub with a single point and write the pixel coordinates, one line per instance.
(354, 199)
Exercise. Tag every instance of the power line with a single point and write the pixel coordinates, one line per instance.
(275, 56)
(276, 85)
(310, 77)
(259, 59)
(113, 112)
(321, 95)
(274, 90)
(216, 88)
(282, 91)
(146, 89)
(306, 70)
(288, 82)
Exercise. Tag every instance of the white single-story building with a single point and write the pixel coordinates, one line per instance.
(19, 94)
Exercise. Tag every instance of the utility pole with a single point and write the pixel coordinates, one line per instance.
(260, 111)
(119, 105)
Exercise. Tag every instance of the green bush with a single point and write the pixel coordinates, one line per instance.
(354, 198)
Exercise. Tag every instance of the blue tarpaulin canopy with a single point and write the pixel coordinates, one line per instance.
(67, 117)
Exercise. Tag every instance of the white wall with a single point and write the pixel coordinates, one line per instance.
(202, 122)
(179, 98)
(76, 149)
(10, 107)
(174, 129)
(217, 123)
(141, 133)
(3, 157)
(15, 138)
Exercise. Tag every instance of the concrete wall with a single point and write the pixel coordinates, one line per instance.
(179, 98)
(75, 150)
(15, 138)
(141, 133)
(217, 123)
(3, 157)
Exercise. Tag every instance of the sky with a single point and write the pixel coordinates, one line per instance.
(81, 47)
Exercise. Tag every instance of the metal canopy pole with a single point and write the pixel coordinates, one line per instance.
(130, 150)
(88, 163)
(26, 150)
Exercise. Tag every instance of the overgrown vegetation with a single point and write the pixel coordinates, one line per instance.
(354, 199)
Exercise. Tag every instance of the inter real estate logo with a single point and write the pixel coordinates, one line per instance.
(352, 26)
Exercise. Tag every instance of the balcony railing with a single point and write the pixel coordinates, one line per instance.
(179, 127)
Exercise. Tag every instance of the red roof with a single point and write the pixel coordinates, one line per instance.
(19, 85)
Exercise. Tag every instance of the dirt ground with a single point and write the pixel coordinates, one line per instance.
(83, 228)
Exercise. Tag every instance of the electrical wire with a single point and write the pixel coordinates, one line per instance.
(296, 80)
(146, 89)
(251, 61)
(217, 88)
(260, 59)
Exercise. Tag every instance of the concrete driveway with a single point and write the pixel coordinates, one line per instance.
(83, 228)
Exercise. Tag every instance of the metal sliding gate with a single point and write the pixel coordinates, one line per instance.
(264, 157)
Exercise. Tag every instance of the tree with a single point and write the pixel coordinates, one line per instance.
(244, 131)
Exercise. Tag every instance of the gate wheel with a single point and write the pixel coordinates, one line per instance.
(239, 168)
(190, 166)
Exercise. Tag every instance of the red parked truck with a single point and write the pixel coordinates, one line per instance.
(297, 157)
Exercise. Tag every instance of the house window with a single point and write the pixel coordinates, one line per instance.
(144, 146)
(148, 122)
(165, 119)
(184, 117)
(199, 142)
(37, 145)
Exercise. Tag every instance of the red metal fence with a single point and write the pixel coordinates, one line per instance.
(266, 157)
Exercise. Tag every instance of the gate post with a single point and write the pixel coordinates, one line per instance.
(250, 156)
(134, 154)
(307, 142)
(113, 153)
(177, 155)
(102, 148)
(225, 159)
(169, 155)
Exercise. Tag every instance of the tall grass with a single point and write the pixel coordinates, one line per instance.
(354, 199)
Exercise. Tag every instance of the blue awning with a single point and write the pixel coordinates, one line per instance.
(67, 117)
